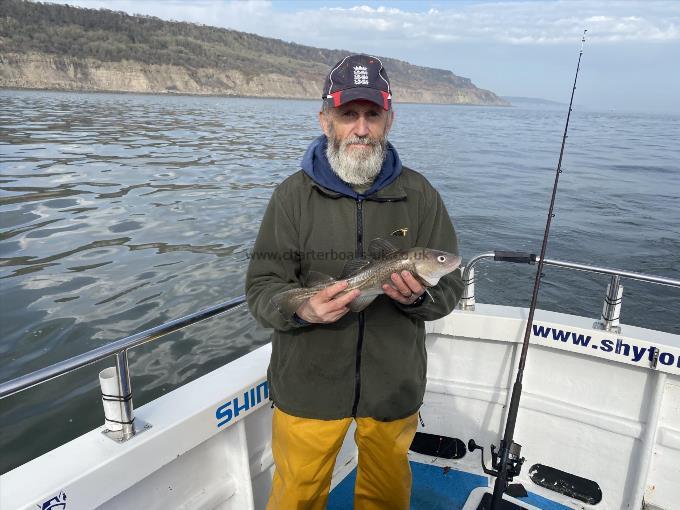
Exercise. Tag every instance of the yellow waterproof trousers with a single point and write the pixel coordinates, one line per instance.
(305, 451)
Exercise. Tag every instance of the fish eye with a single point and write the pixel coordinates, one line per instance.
(441, 259)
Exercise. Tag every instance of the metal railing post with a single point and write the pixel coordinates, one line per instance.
(467, 301)
(119, 419)
(125, 388)
(611, 308)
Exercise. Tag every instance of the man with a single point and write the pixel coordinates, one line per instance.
(328, 365)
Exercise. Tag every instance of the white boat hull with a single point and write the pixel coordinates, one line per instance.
(592, 412)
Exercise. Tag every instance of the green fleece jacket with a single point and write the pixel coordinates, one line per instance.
(368, 364)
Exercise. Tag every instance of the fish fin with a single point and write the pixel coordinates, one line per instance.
(428, 293)
(380, 248)
(430, 282)
(353, 266)
(314, 278)
(362, 302)
(288, 301)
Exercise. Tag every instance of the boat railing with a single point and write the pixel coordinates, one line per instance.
(119, 348)
(611, 308)
(609, 321)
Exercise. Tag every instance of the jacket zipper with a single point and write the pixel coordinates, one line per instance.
(360, 338)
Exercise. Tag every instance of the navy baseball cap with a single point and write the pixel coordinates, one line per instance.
(357, 77)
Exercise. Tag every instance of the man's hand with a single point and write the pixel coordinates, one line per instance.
(405, 289)
(324, 308)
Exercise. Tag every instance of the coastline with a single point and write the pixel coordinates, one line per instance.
(224, 96)
(41, 71)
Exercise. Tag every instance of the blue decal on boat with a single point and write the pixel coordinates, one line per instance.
(634, 353)
(251, 397)
(58, 502)
(607, 345)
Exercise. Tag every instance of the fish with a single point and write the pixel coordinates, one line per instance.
(371, 273)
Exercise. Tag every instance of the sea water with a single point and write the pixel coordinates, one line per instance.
(119, 212)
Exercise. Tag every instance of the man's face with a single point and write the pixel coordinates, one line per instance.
(356, 134)
(358, 119)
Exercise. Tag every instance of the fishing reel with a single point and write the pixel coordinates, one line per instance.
(513, 460)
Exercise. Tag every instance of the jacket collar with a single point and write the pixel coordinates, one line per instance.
(391, 193)
(386, 186)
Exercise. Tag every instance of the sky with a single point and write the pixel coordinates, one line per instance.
(513, 48)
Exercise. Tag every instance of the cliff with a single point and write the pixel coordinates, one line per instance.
(58, 47)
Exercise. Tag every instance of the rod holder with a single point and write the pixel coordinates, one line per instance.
(467, 301)
(119, 419)
(611, 309)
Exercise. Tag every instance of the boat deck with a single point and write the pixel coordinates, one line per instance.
(435, 487)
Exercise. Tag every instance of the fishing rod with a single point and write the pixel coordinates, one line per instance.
(507, 463)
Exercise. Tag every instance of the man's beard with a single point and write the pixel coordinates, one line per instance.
(360, 166)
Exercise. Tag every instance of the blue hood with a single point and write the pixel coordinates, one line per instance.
(316, 165)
